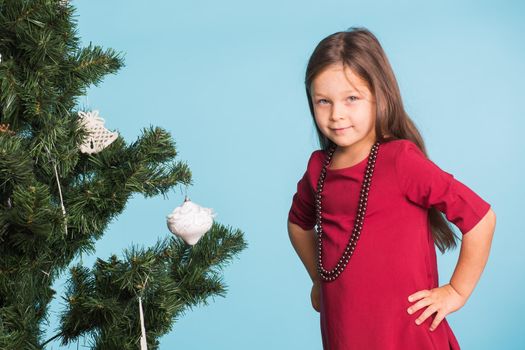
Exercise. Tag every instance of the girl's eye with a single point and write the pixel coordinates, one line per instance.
(323, 101)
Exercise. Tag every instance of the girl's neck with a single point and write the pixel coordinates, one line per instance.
(351, 155)
(355, 152)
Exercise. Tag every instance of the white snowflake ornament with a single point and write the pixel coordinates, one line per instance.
(99, 137)
(190, 221)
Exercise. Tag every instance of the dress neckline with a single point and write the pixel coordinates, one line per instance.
(356, 165)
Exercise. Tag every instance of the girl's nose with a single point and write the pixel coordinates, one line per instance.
(336, 113)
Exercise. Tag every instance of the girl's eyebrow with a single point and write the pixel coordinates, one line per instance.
(344, 92)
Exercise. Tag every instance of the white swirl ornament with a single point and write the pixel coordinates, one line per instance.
(190, 221)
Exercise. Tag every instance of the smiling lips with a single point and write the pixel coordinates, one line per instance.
(341, 129)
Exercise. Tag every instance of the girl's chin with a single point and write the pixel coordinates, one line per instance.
(344, 143)
(343, 139)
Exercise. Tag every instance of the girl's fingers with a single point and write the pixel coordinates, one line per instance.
(437, 320)
(422, 303)
(314, 296)
(438, 300)
(418, 295)
(428, 311)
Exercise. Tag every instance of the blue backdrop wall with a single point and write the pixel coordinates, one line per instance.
(226, 78)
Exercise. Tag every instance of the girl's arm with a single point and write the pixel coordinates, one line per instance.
(475, 248)
(305, 244)
(474, 253)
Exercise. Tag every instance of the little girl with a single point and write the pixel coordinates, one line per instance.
(375, 201)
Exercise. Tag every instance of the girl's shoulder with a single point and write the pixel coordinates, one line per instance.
(400, 148)
(398, 144)
(316, 158)
(315, 161)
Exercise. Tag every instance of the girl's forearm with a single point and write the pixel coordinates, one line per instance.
(305, 244)
(473, 256)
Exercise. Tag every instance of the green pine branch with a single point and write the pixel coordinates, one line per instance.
(170, 277)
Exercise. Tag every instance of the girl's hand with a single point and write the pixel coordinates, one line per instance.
(443, 300)
(315, 295)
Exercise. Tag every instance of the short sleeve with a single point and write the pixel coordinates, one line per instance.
(302, 211)
(425, 184)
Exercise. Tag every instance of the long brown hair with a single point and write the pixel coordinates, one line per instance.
(358, 49)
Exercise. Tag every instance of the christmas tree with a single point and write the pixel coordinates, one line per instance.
(60, 187)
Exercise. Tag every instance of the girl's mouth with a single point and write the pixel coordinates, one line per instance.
(341, 130)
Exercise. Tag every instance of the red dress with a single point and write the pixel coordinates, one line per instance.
(365, 308)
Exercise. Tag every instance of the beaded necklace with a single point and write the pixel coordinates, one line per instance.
(358, 224)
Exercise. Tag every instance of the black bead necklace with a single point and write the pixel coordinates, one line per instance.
(358, 224)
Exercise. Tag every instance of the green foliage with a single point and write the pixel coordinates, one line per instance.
(43, 72)
(170, 277)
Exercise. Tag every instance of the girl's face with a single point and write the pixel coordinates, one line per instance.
(344, 108)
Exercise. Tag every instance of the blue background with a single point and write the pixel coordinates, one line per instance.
(226, 79)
